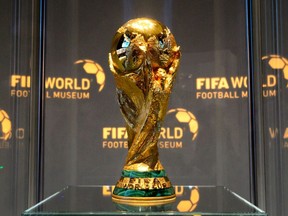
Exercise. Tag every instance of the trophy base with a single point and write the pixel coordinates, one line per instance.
(143, 201)
(143, 188)
(149, 209)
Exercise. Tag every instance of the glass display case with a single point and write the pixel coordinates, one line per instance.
(191, 200)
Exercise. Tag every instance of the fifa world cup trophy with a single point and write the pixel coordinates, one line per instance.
(144, 58)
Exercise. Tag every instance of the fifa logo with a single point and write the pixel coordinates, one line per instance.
(63, 87)
(171, 137)
(275, 134)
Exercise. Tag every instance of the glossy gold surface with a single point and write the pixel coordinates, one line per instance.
(144, 201)
(144, 183)
(144, 58)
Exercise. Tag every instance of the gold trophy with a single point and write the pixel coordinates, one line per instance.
(144, 59)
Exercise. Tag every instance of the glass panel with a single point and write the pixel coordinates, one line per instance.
(85, 139)
(191, 200)
(15, 59)
(275, 101)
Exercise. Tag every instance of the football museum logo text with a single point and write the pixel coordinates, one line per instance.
(63, 87)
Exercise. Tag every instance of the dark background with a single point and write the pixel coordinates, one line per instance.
(212, 35)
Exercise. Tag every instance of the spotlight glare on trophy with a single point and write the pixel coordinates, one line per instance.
(144, 58)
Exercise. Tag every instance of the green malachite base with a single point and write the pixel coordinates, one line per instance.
(143, 188)
(143, 193)
(137, 174)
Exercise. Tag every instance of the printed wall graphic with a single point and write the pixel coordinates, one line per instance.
(191, 204)
(5, 125)
(234, 87)
(221, 87)
(63, 87)
(185, 116)
(20, 86)
(278, 62)
(171, 135)
(282, 136)
(92, 67)
(275, 122)
(8, 132)
(286, 133)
